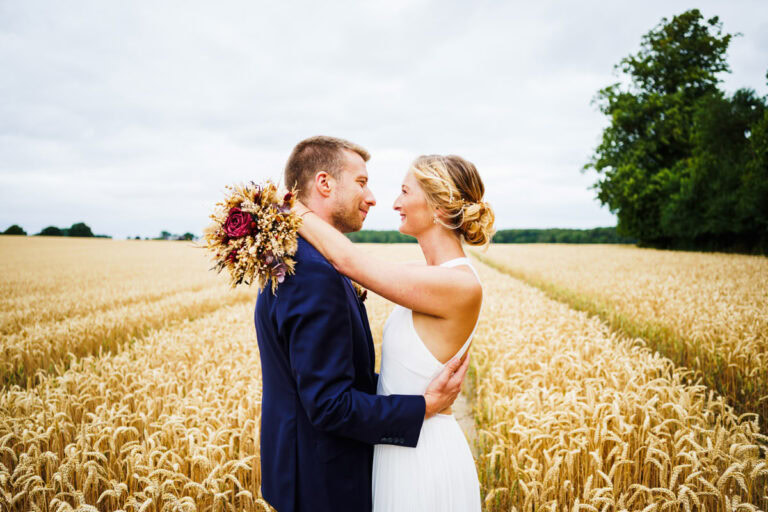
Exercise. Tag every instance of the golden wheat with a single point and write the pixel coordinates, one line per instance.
(707, 312)
(77, 303)
(570, 415)
(573, 416)
(174, 420)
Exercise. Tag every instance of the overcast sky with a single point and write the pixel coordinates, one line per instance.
(133, 116)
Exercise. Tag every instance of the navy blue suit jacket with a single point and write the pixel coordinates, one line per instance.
(320, 415)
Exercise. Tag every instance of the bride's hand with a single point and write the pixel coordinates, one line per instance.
(443, 390)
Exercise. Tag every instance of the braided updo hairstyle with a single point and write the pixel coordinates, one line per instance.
(453, 187)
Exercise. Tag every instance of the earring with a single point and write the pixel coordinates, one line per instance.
(434, 218)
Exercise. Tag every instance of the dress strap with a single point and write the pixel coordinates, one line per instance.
(455, 262)
(461, 261)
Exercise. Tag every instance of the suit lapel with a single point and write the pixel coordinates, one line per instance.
(371, 350)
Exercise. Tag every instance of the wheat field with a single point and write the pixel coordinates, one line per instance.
(131, 381)
(706, 312)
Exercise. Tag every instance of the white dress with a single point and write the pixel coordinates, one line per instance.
(439, 473)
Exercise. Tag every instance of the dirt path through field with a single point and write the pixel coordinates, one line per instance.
(462, 410)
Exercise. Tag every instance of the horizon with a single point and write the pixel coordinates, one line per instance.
(198, 236)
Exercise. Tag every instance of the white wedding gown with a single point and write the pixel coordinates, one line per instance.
(439, 473)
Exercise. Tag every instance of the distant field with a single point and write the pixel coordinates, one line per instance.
(131, 381)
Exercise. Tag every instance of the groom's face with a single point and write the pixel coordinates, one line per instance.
(351, 196)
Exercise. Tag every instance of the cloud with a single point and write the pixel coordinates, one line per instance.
(133, 116)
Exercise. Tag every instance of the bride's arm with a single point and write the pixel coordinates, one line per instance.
(433, 290)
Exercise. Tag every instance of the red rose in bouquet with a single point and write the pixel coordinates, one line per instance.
(238, 223)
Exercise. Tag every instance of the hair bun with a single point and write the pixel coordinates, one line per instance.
(477, 225)
(453, 187)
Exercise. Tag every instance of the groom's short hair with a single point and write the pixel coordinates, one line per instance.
(315, 154)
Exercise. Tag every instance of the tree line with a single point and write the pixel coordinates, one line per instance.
(511, 236)
(80, 229)
(682, 163)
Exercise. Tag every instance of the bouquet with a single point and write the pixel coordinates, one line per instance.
(254, 234)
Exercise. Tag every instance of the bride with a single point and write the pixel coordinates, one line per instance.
(441, 205)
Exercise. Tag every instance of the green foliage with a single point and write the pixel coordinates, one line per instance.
(712, 199)
(510, 236)
(681, 164)
(560, 236)
(167, 235)
(79, 229)
(51, 231)
(380, 237)
(14, 230)
(683, 55)
(754, 196)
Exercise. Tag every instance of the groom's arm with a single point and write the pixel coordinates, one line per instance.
(313, 315)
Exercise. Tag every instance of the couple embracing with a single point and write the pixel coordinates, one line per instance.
(336, 436)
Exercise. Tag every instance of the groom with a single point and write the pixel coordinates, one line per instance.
(320, 414)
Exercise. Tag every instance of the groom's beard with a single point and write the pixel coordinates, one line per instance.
(347, 219)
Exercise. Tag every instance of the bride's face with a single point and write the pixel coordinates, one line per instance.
(411, 204)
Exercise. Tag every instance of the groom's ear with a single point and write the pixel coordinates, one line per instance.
(324, 183)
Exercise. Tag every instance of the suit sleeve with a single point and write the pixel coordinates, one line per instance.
(314, 316)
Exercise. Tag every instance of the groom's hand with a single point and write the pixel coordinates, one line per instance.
(442, 391)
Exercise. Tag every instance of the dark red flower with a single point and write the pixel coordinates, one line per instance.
(288, 197)
(279, 271)
(238, 223)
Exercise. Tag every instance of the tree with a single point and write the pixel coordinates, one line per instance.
(754, 197)
(712, 198)
(14, 230)
(649, 137)
(187, 236)
(80, 229)
(51, 231)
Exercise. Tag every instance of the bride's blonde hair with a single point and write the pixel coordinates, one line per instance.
(453, 187)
